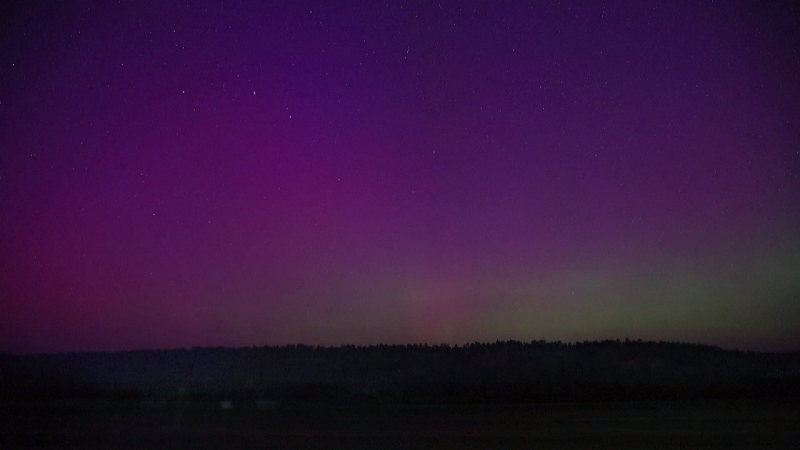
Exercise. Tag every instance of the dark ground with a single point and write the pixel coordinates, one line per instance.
(650, 425)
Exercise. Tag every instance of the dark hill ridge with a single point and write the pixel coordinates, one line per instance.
(500, 372)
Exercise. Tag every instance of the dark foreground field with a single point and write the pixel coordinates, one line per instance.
(198, 426)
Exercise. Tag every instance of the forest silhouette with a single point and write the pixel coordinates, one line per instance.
(504, 372)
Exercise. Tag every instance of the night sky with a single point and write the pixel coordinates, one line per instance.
(267, 173)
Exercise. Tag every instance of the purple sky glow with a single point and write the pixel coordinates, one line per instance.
(264, 173)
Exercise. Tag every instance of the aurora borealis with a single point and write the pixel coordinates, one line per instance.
(266, 173)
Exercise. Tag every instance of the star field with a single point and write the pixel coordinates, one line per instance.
(248, 173)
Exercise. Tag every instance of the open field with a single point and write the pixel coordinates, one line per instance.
(613, 425)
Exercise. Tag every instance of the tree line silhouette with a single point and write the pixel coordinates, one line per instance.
(499, 372)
